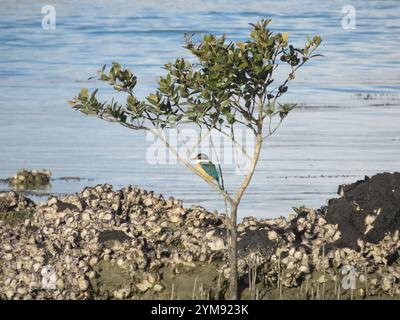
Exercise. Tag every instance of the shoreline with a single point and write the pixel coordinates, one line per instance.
(134, 244)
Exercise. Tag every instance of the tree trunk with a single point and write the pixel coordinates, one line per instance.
(233, 278)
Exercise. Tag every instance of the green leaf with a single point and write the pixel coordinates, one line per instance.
(241, 45)
(152, 98)
(316, 55)
(84, 92)
(130, 100)
(230, 118)
(317, 40)
(93, 95)
(270, 109)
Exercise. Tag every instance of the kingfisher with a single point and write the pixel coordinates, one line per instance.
(208, 169)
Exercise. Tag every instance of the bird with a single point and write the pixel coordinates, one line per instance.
(207, 169)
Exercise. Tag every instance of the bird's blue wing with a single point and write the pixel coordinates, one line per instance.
(211, 170)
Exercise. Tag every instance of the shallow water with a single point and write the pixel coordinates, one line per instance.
(348, 126)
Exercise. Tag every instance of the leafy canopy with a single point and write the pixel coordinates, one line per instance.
(229, 84)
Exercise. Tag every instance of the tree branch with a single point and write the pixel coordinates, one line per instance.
(189, 166)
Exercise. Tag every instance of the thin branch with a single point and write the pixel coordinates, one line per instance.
(189, 166)
(290, 76)
(235, 142)
(190, 151)
(237, 163)
(219, 163)
(257, 152)
(271, 132)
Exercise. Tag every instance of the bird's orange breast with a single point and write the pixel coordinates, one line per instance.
(203, 172)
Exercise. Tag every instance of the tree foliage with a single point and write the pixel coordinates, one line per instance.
(228, 85)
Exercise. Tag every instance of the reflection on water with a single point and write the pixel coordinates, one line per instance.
(347, 126)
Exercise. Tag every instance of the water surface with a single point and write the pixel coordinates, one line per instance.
(348, 125)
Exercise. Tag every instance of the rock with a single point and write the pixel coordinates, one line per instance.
(272, 235)
(158, 287)
(151, 278)
(60, 251)
(210, 234)
(22, 291)
(60, 284)
(148, 202)
(175, 218)
(10, 293)
(256, 240)
(143, 286)
(83, 284)
(369, 220)
(388, 281)
(86, 216)
(121, 293)
(304, 269)
(359, 206)
(25, 179)
(217, 245)
(52, 201)
(361, 293)
(107, 217)
(93, 261)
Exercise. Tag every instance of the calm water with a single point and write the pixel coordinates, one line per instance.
(339, 135)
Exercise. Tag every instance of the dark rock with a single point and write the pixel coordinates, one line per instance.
(113, 235)
(61, 206)
(256, 240)
(363, 198)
